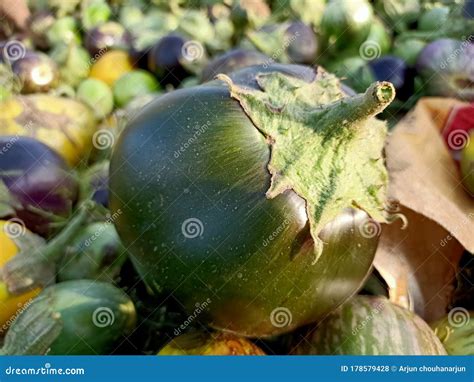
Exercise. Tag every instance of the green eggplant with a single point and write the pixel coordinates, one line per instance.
(345, 25)
(198, 215)
(72, 317)
(369, 325)
(95, 253)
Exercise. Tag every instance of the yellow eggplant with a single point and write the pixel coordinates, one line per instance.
(10, 304)
(65, 125)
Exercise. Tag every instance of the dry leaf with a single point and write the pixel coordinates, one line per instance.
(419, 264)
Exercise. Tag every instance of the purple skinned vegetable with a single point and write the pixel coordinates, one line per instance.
(233, 60)
(39, 182)
(447, 67)
(110, 35)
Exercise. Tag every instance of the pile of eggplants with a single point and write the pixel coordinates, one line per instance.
(127, 211)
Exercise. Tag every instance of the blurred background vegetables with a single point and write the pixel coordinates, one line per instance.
(74, 74)
(10, 232)
(64, 124)
(38, 181)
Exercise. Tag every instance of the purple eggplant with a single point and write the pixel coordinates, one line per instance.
(39, 182)
(447, 67)
(302, 43)
(107, 36)
(246, 76)
(231, 61)
(37, 71)
(166, 60)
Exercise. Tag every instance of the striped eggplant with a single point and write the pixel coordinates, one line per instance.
(369, 325)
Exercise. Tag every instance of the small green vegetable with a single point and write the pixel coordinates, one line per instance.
(63, 31)
(95, 253)
(73, 317)
(98, 95)
(134, 84)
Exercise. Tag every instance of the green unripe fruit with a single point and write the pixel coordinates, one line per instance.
(98, 95)
(134, 84)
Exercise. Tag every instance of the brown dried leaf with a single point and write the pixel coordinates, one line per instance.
(419, 264)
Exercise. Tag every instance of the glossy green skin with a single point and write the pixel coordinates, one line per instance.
(72, 318)
(254, 255)
(79, 304)
(95, 253)
(368, 325)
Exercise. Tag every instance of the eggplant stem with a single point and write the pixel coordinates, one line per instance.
(37, 268)
(360, 107)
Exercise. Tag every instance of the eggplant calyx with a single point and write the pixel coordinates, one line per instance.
(36, 267)
(33, 333)
(326, 147)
